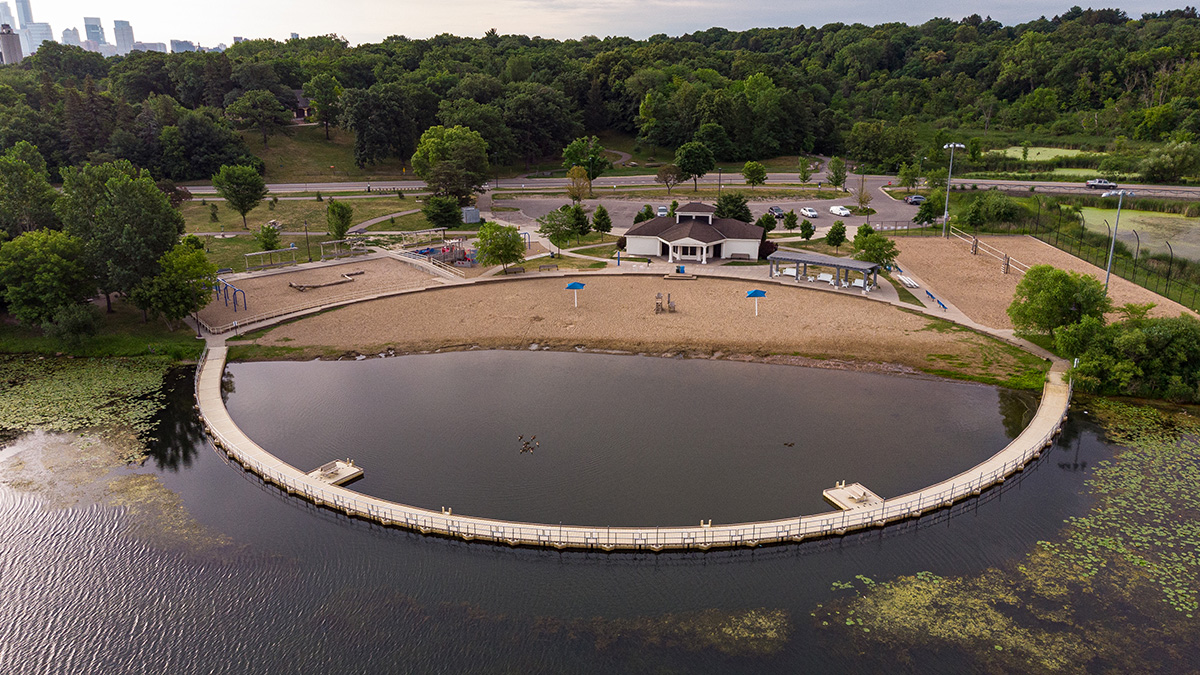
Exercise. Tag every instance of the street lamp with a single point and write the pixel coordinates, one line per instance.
(307, 246)
(949, 172)
(1120, 195)
(719, 170)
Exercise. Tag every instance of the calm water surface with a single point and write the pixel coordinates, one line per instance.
(621, 440)
(302, 590)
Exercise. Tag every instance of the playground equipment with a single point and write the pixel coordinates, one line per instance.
(341, 248)
(274, 258)
(223, 289)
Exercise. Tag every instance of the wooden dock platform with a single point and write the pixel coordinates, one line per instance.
(1026, 448)
(853, 496)
(337, 472)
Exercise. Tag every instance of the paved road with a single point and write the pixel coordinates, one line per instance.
(1056, 187)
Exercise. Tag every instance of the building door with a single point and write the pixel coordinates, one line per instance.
(716, 251)
(665, 250)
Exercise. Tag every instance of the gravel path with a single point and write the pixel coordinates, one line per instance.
(976, 286)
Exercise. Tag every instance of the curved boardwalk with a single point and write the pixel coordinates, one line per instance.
(1024, 449)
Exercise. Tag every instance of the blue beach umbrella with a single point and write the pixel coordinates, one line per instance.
(756, 294)
(575, 286)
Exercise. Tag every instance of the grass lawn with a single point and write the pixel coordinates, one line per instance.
(409, 223)
(306, 157)
(232, 252)
(122, 333)
(291, 214)
(748, 263)
(564, 263)
(608, 252)
(902, 291)
(784, 234)
(817, 245)
(1040, 152)
(594, 238)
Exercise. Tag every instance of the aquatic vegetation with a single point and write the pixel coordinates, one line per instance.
(1118, 590)
(157, 515)
(63, 394)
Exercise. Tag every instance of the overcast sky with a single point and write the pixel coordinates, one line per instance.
(214, 21)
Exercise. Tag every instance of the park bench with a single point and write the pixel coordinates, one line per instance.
(515, 270)
(543, 268)
(739, 256)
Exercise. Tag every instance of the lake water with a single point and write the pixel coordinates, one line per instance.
(304, 590)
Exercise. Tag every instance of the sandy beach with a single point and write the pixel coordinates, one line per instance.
(617, 312)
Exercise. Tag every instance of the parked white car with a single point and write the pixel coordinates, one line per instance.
(839, 211)
(663, 211)
(808, 212)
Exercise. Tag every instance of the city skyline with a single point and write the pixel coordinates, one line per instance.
(362, 21)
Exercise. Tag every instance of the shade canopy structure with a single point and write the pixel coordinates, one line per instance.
(575, 286)
(756, 294)
(802, 259)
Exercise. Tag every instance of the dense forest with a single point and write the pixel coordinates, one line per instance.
(858, 90)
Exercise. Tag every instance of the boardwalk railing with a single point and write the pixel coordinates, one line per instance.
(429, 260)
(284, 310)
(227, 436)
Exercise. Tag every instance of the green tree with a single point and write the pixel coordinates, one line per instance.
(557, 227)
(442, 211)
(937, 178)
(931, 209)
(860, 235)
(669, 176)
(579, 221)
(975, 148)
(836, 235)
(338, 217)
(754, 173)
(123, 220)
(733, 204)
(1048, 298)
(862, 195)
(806, 169)
(908, 176)
(694, 160)
(268, 237)
(42, 271)
(499, 245)
(26, 198)
(183, 285)
(767, 222)
(807, 230)
(647, 213)
(452, 161)
(261, 111)
(325, 92)
(1171, 162)
(578, 185)
(242, 187)
(876, 248)
(589, 154)
(72, 323)
(1025, 145)
(835, 172)
(790, 221)
(601, 221)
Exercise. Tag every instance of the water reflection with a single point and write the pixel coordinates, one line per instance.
(179, 433)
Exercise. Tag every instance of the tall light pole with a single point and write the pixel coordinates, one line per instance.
(1120, 195)
(949, 172)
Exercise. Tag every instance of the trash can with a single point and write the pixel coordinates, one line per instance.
(679, 269)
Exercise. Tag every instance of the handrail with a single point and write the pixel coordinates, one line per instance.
(241, 448)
